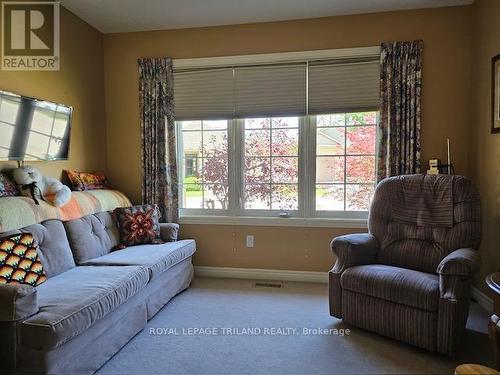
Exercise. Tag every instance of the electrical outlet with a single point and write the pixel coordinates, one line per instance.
(250, 240)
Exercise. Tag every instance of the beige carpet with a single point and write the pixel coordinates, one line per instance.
(222, 326)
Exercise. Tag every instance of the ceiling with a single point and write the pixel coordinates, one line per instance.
(112, 16)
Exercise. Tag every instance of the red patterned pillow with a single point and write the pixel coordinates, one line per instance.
(19, 262)
(8, 187)
(81, 181)
(138, 225)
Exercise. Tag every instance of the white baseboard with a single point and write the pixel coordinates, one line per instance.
(484, 301)
(261, 274)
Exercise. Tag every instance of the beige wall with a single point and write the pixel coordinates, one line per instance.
(445, 109)
(485, 147)
(79, 83)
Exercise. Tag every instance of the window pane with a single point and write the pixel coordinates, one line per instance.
(285, 122)
(358, 197)
(192, 196)
(215, 196)
(42, 120)
(361, 139)
(215, 144)
(285, 170)
(285, 197)
(361, 118)
(258, 196)
(360, 168)
(204, 164)
(330, 169)
(257, 123)
(191, 125)
(285, 142)
(330, 141)
(215, 125)
(257, 142)
(6, 131)
(38, 145)
(337, 119)
(257, 170)
(214, 171)
(330, 197)
(191, 141)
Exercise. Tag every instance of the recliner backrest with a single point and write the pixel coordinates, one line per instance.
(414, 234)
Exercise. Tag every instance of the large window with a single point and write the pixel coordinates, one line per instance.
(289, 135)
(322, 165)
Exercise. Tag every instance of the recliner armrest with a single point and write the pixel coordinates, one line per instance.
(354, 250)
(461, 262)
(169, 231)
(17, 302)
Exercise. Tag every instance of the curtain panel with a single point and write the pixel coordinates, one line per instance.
(159, 160)
(399, 125)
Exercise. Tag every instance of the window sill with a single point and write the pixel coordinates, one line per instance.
(276, 221)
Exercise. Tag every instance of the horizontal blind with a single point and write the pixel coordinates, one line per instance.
(338, 86)
(270, 90)
(204, 94)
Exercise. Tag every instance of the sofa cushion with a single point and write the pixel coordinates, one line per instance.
(92, 236)
(73, 301)
(157, 258)
(399, 285)
(138, 225)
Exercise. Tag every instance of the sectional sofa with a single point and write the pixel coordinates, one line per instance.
(94, 300)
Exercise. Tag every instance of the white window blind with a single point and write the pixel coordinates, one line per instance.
(204, 94)
(343, 86)
(282, 89)
(270, 90)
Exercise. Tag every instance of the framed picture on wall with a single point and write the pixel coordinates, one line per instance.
(495, 94)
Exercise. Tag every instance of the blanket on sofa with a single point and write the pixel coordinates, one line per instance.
(19, 212)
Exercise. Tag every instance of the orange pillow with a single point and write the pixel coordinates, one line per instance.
(81, 181)
(19, 263)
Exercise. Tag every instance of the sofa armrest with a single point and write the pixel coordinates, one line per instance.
(354, 250)
(169, 231)
(17, 302)
(461, 262)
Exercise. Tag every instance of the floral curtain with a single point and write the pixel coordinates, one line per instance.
(159, 162)
(399, 125)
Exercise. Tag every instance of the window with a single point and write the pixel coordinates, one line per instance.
(271, 163)
(294, 136)
(204, 164)
(269, 160)
(345, 161)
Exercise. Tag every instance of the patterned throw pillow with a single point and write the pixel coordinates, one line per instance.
(81, 181)
(19, 262)
(8, 187)
(138, 225)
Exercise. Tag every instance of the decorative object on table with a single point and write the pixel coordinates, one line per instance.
(8, 187)
(493, 283)
(433, 166)
(19, 263)
(138, 225)
(495, 94)
(81, 181)
(33, 184)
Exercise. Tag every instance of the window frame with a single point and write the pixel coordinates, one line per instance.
(306, 177)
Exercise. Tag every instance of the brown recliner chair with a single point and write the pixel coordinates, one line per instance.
(410, 277)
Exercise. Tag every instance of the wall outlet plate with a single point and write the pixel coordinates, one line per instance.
(250, 240)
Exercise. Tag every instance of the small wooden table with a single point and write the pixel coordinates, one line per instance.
(493, 282)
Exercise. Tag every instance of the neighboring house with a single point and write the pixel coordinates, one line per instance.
(330, 141)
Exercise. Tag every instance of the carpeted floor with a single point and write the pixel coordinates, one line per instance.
(249, 330)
